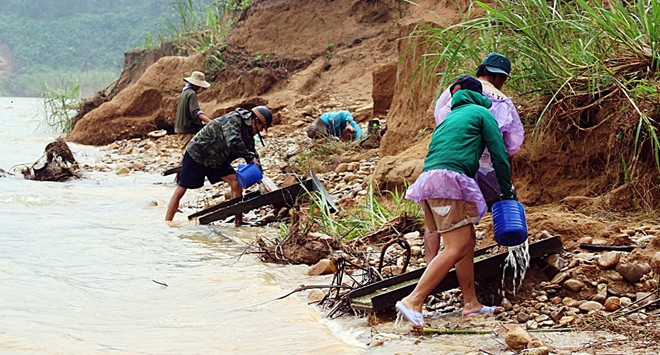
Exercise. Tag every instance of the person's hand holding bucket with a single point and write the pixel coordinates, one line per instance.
(249, 175)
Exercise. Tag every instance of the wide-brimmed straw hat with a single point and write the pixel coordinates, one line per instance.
(197, 79)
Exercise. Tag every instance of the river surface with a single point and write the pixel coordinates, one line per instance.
(80, 262)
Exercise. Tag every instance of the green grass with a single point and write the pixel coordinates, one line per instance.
(372, 214)
(200, 26)
(60, 106)
(321, 157)
(575, 55)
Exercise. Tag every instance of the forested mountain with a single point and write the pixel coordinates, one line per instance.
(42, 39)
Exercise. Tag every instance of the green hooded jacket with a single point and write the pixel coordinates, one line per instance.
(459, 141)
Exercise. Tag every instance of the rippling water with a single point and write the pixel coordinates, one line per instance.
(78, 261)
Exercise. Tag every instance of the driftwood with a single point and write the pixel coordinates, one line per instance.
(610, 247)
(56, 164)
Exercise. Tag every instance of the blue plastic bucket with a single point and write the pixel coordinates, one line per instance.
(509, 223)
(249, 175)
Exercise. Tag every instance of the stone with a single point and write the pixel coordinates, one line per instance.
(315, 295)
(585, 240)
(541, 350)
(558, 314)
(611, 275)
(631, 271)
(523, 317)
(342, 167)
(609, 260)
(555, 264)
(542, 298)
(602, 289)
(559, 278)
(517, 338)
(122, 170)
(412, 237)
(506, 304)
(323, 267)
(625, 301)
(612, 304)
(569, 302)
(376, 342)
(416, 250)
(542, 318)
(590, 306)
(573, 285)
(599, 298)
(567, 320)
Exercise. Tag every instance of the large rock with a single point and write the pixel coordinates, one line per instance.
(323, 267)
(573, 285)
(631, 271)
(517, 338)
(609, 260)
(612, 304)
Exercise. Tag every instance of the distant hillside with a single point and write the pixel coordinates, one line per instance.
(44, 39)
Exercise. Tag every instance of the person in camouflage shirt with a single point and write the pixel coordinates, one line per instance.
(214, 147)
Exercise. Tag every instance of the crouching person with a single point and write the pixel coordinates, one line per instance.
(214, 147)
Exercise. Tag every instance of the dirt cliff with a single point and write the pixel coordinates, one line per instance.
(303, 58)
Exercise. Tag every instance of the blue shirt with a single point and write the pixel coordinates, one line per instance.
(336, 122)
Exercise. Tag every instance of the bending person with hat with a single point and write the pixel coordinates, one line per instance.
(211, 151)
(450, 198)
(492, 73)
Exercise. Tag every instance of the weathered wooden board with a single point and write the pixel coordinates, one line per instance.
(383, 295)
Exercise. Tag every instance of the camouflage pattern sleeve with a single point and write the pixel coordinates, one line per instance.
(233, 132)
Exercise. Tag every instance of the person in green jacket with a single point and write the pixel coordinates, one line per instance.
(450, 197)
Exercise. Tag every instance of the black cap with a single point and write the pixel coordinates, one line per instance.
(264, 111)
(466, 83)
(497, 64)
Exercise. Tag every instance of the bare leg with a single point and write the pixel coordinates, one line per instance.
(465, 275)
(457, 243)
(236, 191)
(431, 245)
(173, 206)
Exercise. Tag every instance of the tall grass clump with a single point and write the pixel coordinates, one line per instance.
(575, 55)
(60, 106)
(375, 212)
(202, 25)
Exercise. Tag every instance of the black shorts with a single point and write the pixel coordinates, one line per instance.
(192, 173)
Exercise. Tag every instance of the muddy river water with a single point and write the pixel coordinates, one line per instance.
(80, 262)
(89, 266)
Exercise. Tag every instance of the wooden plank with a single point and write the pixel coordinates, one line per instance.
(286, 196)
(383, 295)
(224, 204)
(610, 247)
